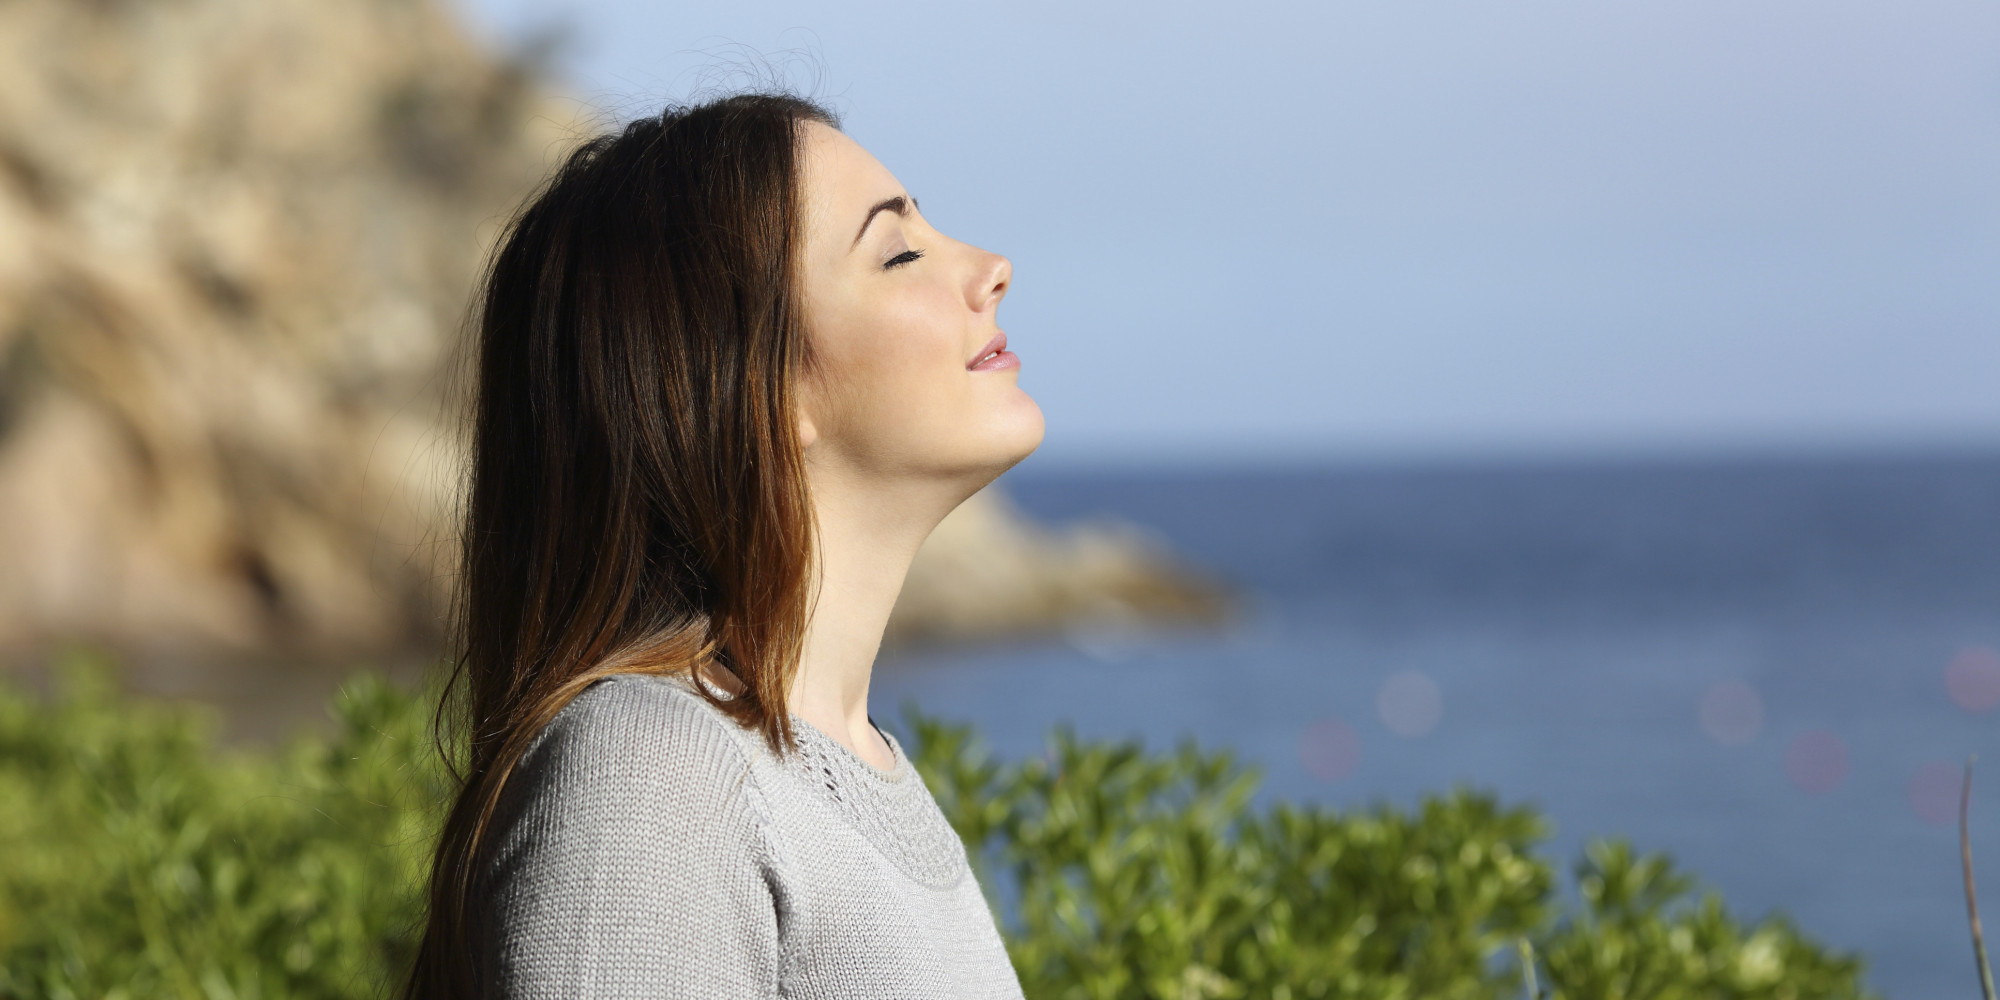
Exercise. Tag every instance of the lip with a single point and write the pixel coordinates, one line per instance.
(1000, 360)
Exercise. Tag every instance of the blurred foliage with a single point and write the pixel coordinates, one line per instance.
(1126, 875)
(1639, 934)
(139, 859)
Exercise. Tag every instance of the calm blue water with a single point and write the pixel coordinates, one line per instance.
(1571, 621)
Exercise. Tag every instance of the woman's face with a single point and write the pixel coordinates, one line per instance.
(903, 321)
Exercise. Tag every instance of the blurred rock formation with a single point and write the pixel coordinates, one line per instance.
(988, 572)
(236, 243)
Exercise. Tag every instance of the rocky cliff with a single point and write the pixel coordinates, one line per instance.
(236, 242)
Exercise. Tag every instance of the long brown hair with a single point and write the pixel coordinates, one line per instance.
(636, 499)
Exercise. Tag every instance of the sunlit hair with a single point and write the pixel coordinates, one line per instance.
(637, 500)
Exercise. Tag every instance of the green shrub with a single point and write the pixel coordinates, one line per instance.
(1639, 934)
(137, 859)
(1130, 875)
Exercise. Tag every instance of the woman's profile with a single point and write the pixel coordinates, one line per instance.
(727, 379)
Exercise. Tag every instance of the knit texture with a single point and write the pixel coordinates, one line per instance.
(648, 846)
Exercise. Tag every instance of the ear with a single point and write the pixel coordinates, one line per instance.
(805, 399)
(808, 431)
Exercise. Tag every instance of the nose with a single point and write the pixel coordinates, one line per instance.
(990, 279)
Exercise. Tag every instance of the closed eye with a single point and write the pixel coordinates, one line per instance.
(902, 258)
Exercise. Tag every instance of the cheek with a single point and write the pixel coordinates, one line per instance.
(903, 345)
(894, 369)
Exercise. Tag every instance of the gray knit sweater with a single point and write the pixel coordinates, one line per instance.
(650, 847)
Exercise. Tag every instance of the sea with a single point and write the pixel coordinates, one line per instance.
(1772, 669)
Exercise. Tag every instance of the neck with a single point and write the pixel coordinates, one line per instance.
(868, 535)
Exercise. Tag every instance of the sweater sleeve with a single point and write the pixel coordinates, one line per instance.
(632, 860)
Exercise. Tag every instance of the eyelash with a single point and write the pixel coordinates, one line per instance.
(900, 259)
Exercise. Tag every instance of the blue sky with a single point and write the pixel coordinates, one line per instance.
(1422, 229)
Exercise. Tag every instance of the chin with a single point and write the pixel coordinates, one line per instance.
(1025, 433)
(1003, 445)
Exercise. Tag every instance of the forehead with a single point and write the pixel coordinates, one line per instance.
(840, 179)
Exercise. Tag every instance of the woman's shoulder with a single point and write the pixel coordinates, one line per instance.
(629, 853)
(624, 701)
(639, 736)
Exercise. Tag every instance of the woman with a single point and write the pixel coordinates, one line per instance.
(729, 378)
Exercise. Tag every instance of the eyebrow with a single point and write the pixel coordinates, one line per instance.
(898, 205)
